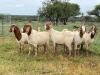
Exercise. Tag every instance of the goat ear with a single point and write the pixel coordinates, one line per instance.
(28, 30)
(81, 33)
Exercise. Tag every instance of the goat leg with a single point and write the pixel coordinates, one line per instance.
(35, 49)
(45, 48)
(69, 47)
(55, 49)
(30, 49)
(19, 48)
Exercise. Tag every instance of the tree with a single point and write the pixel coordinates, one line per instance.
(57, 10)
(96, 12)
(69, 10)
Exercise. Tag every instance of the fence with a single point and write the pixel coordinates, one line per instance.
(4, 29)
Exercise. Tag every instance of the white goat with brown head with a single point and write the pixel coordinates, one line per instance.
(59, 37)
(88, 37)
(78, 35)
(36, 38)
(21, 38)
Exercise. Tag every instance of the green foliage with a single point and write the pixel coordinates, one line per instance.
(96, 12)
(24, 18)
(57, 9)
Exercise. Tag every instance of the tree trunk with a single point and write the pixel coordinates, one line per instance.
(64, 22)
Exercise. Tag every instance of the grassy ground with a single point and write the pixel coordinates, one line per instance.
(14, 63)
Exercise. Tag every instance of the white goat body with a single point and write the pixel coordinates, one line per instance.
(59, 37)
(78, 35)
(36, 38)
(24, 39)
(87, 40)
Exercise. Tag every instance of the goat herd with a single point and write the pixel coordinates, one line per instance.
(72, 40)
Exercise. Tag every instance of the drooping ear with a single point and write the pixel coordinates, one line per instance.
(24, 29)
(28, 30)
(12, 28)
(81, 32)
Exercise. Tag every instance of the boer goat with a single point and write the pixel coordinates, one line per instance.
(88, 38)
(36, 38)
(58, 37)
(21, 38)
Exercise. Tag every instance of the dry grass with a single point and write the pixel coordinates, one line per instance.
(14, 63)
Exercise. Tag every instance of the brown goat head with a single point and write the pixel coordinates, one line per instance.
(12, 28)
(93, 31)
(16, 31)
(48, 25)
(27, 29)
(94, 28)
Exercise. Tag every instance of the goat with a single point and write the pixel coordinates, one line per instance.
(88, 38)
(36, 38)
(58, 37)
(78, 35)
(21, 38)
